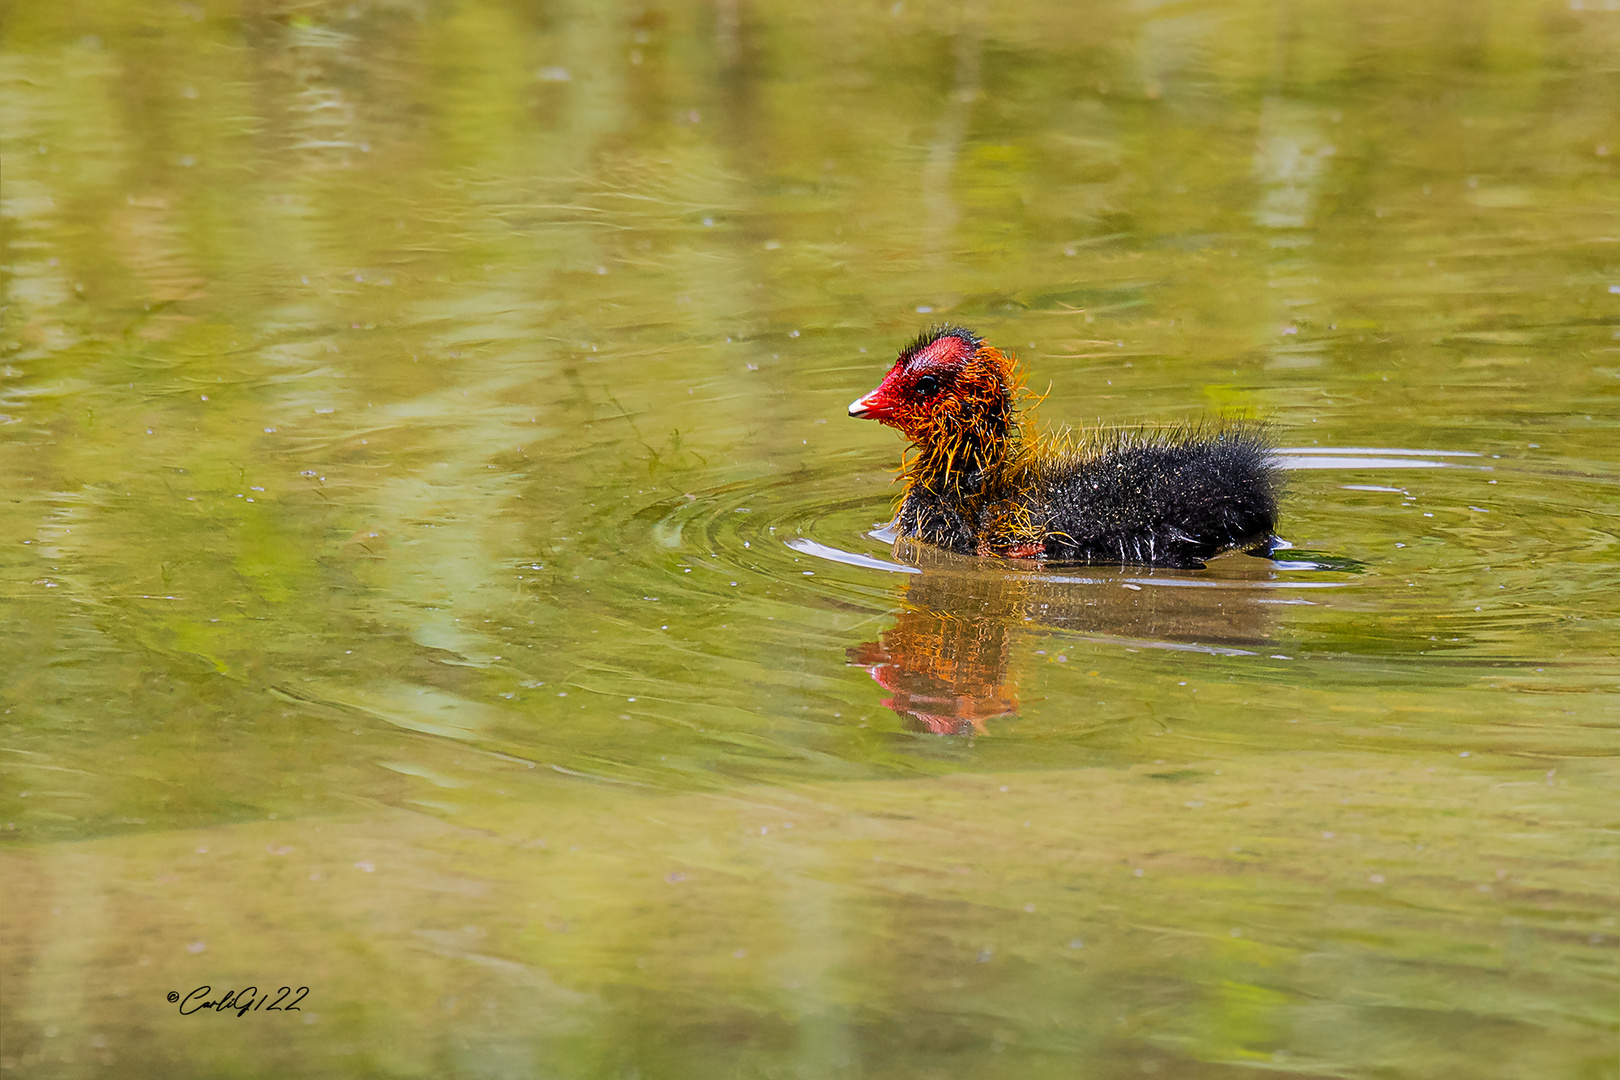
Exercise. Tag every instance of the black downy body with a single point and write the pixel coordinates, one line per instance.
(1170, 499)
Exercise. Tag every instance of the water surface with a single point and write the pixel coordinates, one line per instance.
(439, 570)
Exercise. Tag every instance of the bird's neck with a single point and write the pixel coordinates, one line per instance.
(964, 461)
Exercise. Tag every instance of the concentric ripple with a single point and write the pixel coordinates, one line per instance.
(1401, 543)
(734, 600)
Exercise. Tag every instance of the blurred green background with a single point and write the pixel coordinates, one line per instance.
(439, 572)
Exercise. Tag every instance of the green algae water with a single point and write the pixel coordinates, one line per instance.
(441, 580)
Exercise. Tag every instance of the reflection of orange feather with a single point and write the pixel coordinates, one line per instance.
(948, 675)
(948, 661)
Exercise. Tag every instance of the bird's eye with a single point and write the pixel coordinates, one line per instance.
(927, 385)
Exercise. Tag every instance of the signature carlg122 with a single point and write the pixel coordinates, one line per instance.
(241, 1002)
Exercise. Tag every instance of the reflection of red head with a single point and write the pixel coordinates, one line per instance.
(946, 677)
(945, 380)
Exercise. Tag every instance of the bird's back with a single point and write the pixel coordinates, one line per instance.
(1171, 499)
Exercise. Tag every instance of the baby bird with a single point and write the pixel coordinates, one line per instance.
(976, 486)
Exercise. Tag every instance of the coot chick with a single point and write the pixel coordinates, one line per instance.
(975, 485)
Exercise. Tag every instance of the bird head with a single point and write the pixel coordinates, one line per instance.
(945, 385)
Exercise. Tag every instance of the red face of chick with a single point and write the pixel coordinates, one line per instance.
(919, 388)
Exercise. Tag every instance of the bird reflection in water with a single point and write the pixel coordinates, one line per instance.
(948, 660)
